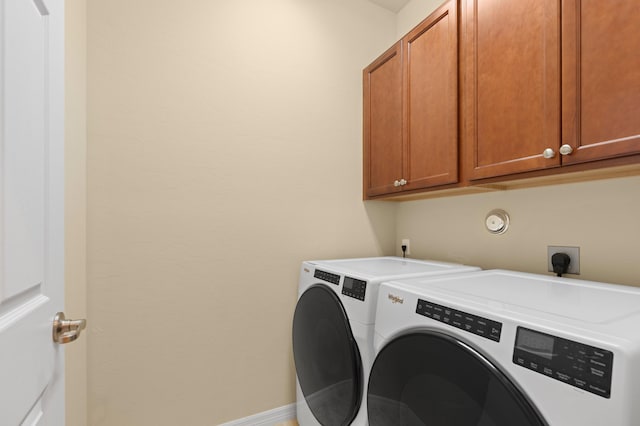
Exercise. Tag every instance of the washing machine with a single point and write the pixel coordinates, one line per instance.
(333, 330)
(501, 348)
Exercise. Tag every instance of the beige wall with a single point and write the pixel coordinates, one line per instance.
(412, 13)
(75, 206)
(224, 148)
(600, 217)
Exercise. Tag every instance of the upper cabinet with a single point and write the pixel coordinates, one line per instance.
(600, 79)
(511, 85)
(540, 91)
(546, 86)
(411, 109)
(382, 130)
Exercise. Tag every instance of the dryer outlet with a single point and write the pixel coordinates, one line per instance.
(574, 254)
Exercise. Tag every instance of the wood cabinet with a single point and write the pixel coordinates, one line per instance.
(382, 121)
(544, 88)
(600, 79)
(511, 85)
(411, 109)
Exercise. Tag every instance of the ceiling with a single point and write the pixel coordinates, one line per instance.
(392, 5)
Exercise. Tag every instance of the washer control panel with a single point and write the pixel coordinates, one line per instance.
(354, 288)
(327, 276)
(579, 365)
(475, 324)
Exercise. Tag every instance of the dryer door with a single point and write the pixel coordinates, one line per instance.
(326, 356)
(432, 379)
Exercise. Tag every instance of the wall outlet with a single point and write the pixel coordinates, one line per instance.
(574, 254)
(406, 242)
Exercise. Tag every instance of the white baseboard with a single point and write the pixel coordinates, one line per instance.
(266, 418)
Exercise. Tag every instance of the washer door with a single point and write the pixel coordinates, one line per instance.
(432, 379)
(326, 356)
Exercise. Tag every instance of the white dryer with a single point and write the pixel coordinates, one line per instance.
(500, 348)
(333, 330)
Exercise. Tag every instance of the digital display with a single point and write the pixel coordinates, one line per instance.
(348, 283)
(536, 343)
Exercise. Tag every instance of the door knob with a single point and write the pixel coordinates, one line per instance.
(396, 183)
(66, 331)
(548, 153)
(566, 149)
(403, 182)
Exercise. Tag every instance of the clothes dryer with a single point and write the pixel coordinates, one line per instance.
(501, 348)
(333, 330)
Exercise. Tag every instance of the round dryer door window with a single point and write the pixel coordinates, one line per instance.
(433, 379)
(326, 357)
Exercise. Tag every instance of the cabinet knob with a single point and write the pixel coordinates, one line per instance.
(566, 149)
(549, 153)
(403, 182)
(397, 183)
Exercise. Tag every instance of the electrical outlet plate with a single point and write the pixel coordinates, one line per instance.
(406, 242)
(574, 254)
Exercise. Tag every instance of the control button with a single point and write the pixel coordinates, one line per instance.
(494, 337)
(563, 377)
(547, 371)
(577, 369)
(579, 383)
(598, 390)
(598, 363)
(596, 372)
(520, 360)
(494, 332)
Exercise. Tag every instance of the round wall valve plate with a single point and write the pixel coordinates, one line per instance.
(497, 221)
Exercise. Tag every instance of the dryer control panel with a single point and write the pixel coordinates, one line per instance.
(327, 276)
(475, 324)
(583, 366)
(354, 288)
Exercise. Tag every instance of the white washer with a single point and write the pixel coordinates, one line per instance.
(333, 330)
(501, 348)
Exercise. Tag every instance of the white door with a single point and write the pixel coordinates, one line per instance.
(31, 211)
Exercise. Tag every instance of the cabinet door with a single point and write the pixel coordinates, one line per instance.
(511, 85)
(601, 78)
(383, 123)
(431, 87)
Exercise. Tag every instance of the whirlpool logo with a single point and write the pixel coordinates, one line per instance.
(395, 299)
